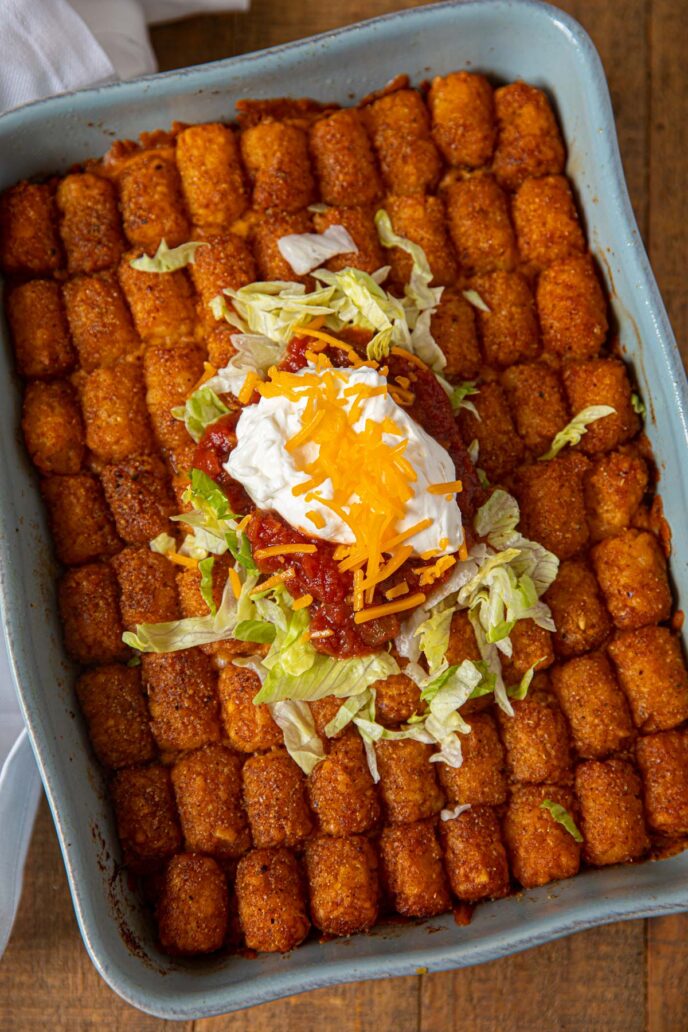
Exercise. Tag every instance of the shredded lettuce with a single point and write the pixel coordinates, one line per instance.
(205, 568)
(562, 816)
(201, 410)
(456, 811)
(168, 259)
(163, 544)
(638, 405)
(325, 676)
(434, 636)
(213, 523)
(458, 397)
(255, 630)
(306, 251)
(298, 729)
(573, 431)
(497, 519)
(474, 298)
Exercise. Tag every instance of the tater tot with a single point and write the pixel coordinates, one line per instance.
(408, 785)
(453, 327)
(266, 235)
(211, 175)
(323, 711)
(400, 128)
(40, 334)
(397, 698)
(80, 523)
(139, 498)
(248, 728)
(537, 403)
(28, 230)
(612, 820)
(480, 226)
(114, 407)
(161, 304)
(146, 817)
(602, 381)
(581, 619)
(53, 431)
(509, 331)
(207, 788)
(474, 855)
(343, 884)
(594, 705)
(546, 221)
(572, 309)
(462, 644)
(341, 790)
(550, 495)
(500, 447)
(345, 167)
(411, 869)
(151, 202)
(528, 142)
(614, 488)
(663, 762)
(223, 262)
(192, 911)
(148, 590)
(91, 620)
(463, 118)
(653, 675)
(276, 158)
(182, 699)
(532, 646)
(275, 800)
(170, 374)
(99, 320)
(631, 570)
(271, 901)
(219, 343)
(360, 224)
(89, 222)
(536, 740)
(480, 778)
(540, 849)
(115, 710)
(421, 219)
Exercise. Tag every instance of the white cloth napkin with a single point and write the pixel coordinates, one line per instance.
(49, 47)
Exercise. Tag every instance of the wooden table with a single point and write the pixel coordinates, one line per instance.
(628, 977)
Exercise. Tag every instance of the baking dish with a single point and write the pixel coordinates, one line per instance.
(507, 40)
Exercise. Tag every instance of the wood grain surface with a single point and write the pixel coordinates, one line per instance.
(630, 977)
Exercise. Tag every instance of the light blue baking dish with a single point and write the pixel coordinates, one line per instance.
(507, 39)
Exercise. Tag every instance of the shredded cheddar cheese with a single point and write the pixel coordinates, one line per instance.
(235, 582)
(246, 391)
(290, 549)
(182, 560)
(397, 591)
(388, 608)
(302, 602)
(451, 487)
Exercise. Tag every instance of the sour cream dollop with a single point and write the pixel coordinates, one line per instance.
(268, 472)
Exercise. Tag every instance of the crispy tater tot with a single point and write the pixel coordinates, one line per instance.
(537, 404)
(361, 226)
(40, 334)
(550, 495)
(480, 226)
(572, 308)
(612, 820)
(170, 375)
(343, 884)
(400, 128)
(275, 800)
(148, 590)
(631, 570)
(219, 344)
(528, 142)
(207, 788)
(276, 158)
(89, 609)
(223, 262)
(28, 230)
(323, 711)
(115, 710)
(463, 118)
(594, 705)
(509, 330)
(408, 785)
(151, 202)
(182, 699)
(161, 303)
(146, 817)
(53, 430)
(411, 869)
(421, 219)
(474, 855)
(480, 778)
(89, 222)
(397, 698)
(653, 675)
(546, 221)
(532, 647)
(266, 235)
(462, 644)
(211, 175)
(80, 523)
(341, 790)
(114, 407)
(344, 164)
(99, 320)
(271, 901)
(581, 619)
(614, 488)
(500, 447)
(536, 740)
(192, 911)
(602, 381)
(248, 728)
(139, 497)
(540, 849)
(453, 327)
(663, 762)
